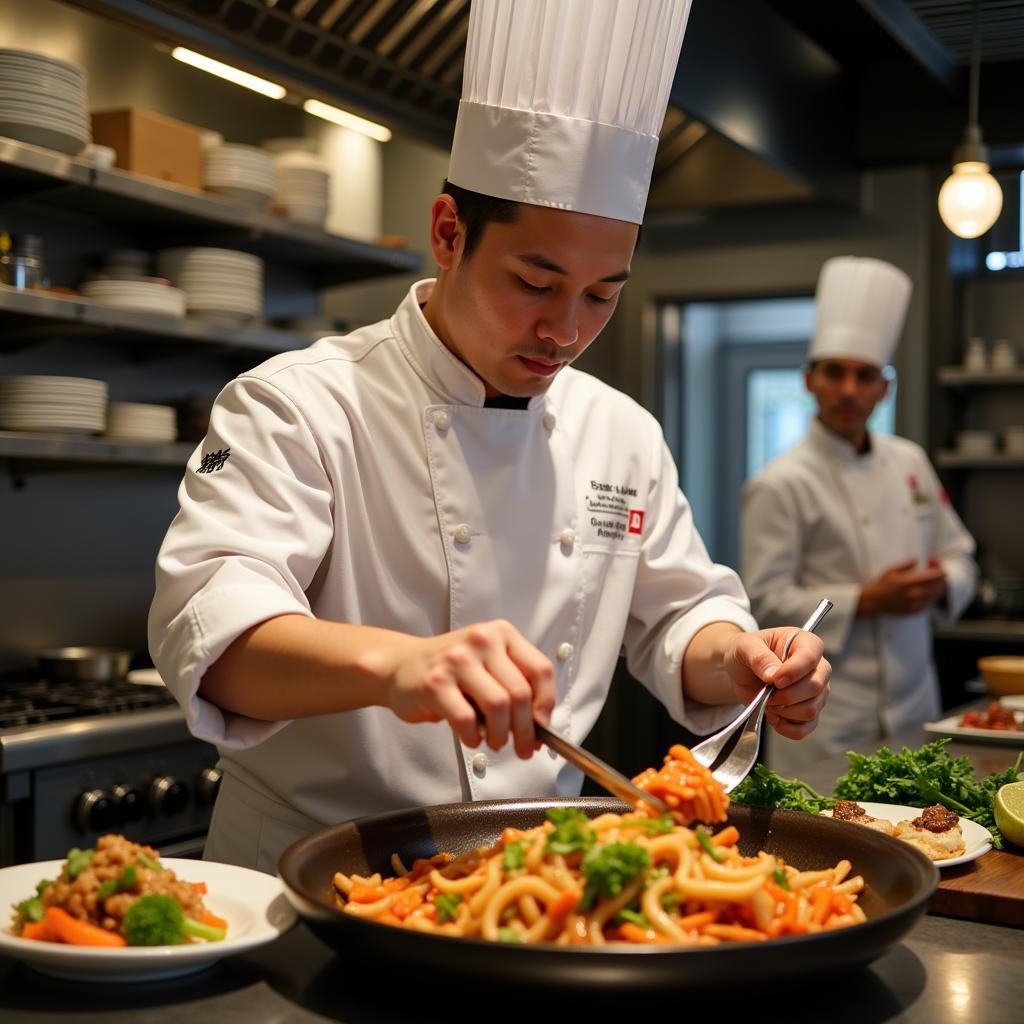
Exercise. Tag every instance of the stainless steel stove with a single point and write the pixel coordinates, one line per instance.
(81, 759)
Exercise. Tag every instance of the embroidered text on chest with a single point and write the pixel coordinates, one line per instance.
(612, 510)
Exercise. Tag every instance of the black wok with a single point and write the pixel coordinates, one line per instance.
(898, 884)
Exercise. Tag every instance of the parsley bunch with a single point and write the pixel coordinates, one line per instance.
(764, 788)
(610, 868)
(572, 833)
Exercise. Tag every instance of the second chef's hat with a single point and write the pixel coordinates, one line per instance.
(563, 100)
(861, 305)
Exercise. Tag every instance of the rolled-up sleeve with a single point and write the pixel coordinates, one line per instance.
(254, 523)
(678, 591)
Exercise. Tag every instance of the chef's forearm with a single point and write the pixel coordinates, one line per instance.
(293, 666)
(705, 678)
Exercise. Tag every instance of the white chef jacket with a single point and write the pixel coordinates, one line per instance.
(362, 480)
(820, 521)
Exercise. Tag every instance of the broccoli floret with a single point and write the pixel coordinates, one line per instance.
(155, 920)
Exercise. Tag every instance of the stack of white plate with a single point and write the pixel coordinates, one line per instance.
(145, 294)
(138, 421)
(73, 405)
(303, 186)
(242, 172)
(220, 284)
(43, 101)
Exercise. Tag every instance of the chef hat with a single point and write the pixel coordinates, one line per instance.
(563, 100)
(861, 306)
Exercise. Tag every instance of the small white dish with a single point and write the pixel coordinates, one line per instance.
(253, 904)
(951, 726)
(977, 840)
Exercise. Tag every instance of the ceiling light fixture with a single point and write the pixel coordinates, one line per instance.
(970, 198)
(342, 117)
(226, 71)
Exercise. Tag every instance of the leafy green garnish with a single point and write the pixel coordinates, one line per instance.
(29, 910)
(572, 833)
(704, 838)
(764, 788)
(632, 916)
(148, 862)
(447, 904)
(610, 868)
(670, 901)
(78, 861)
(514, 855)
(509, 935)
(659, 872)
(125, 880)
(781, 879)
(653, 826)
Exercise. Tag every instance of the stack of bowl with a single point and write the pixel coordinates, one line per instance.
(219, 284)
(43, 101)
(302, 186)
(66, 405)
(245, 173)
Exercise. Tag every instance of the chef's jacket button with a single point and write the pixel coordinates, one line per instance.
(442, 419)
(564, 652)
(549, 421)
(567, 537)
(462, 534)
(479, 763)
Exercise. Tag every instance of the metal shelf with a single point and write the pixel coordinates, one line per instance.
(956, 460)
(957, 376)
(175, 215)
(70, 448)
(28, 314)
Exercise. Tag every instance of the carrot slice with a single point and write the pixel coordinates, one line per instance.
(37, 930)
(727, 837)
(213, 920)
(563, 903)
(644, 936)
(76, 932)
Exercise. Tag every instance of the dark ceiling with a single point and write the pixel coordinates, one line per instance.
(879, 82)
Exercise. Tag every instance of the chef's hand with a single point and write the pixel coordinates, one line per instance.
(489, 668)
(903, 589)
(801, 681)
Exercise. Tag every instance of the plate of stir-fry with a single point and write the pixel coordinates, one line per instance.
(118, 911)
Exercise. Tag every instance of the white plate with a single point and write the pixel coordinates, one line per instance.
(253, 904)
(950, 727)
(1013, 701)
(977, 840)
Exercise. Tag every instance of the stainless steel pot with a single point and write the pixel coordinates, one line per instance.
(83, 664)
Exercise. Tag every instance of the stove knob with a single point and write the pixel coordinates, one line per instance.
(167, 795)
(95, 811)
(131, 804)
(207, 784)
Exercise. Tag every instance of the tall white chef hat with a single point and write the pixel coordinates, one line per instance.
(563, 100)
(861, 306)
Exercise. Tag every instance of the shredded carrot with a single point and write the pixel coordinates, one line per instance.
(564, 903)
(200, 887)
(37, 930)
(698, 920)
(646, 936)
(735, 932)
(821, 903)
(214, 921)
(727, 837)
(841, 903)
(76, 932)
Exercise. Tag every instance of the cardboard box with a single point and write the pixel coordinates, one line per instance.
(152, 145)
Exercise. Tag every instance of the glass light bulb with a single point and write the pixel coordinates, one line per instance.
(970, 199)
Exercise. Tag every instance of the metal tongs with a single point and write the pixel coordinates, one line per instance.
(602, 773)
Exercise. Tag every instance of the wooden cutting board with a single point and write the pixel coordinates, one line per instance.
(989, 889)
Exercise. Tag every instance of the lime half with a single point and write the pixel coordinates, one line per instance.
(1009, 812)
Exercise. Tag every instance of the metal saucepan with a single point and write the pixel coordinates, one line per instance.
(83, 664)
(899, 882)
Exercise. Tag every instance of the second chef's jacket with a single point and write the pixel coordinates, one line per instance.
(362, 480)
(822, 520)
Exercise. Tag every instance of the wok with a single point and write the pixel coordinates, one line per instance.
(898, 884)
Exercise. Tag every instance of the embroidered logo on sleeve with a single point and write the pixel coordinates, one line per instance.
(213, 461)
(636, 521)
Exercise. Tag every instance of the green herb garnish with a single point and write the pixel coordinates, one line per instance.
(572, 833)
(125, 880)
(781, 879)
(654, 826)
(78, 861)
(509, 935)
(633, 916)
(447, 904)
(514, 855)
(714, 852)
(610, 868)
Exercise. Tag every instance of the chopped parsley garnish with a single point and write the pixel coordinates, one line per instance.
(633, 916)
(572, 833)
(78, 861)
(714, 852)
(514, 855)
(609, 869)
(509, 935)
(780, 878)
(447, 904)
(126, 880)
(654, 826)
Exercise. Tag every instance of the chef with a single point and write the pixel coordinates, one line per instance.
(435, 519)
(859, 517)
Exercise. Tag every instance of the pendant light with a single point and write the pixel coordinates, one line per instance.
(970, 198)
